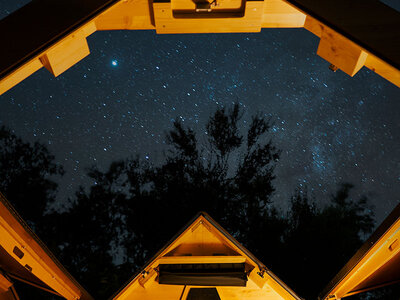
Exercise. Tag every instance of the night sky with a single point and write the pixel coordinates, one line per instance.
(122, 98)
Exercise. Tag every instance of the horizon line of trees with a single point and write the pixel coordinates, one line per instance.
(125, 217)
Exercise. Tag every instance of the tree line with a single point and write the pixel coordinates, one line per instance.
(110, 229)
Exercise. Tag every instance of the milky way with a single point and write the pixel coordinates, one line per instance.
(122, 98)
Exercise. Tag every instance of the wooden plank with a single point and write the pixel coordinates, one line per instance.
(27, 250)
(374, 264)
(377, 257)
(9, 239)
(279, 14)
(249, 22)
(201, 259)
(383, 69)
(128, 14)
(19, 74)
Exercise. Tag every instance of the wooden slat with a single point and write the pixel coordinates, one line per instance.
(378, 256)
(383, 69)
(200, 259)
(19, 74)
(278, 14)
(16, 237)
(375, 264)
(129, 14)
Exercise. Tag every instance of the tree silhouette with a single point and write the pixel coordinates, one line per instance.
(230, 176)
(319, 241)
(25, 177)
(85, 237)
(26, 180)
(134, 207)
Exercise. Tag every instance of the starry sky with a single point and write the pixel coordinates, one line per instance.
(122, 98)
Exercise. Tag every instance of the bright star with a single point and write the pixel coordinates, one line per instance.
(114, 62)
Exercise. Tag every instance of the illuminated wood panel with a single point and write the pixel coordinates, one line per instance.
(341, 52)
(68, 51)
(376, 264)
(53, 33)
(203, 241)
(128, 15)
(384, 69)
(248, 21)
(279, 14)
(347, 55)
(24, 257)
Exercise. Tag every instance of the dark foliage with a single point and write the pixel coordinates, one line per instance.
(319, 241)
(25, 177)
(134, 207)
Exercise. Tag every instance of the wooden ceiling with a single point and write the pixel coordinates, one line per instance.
(203, 241)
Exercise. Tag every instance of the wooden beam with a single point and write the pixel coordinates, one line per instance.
(382, 252)
(280, 14)
(341, 52)
(372, 62)
(68, 52)
(383, 69)
(127, 14)
(27, 250)
(201, 259)
(9, 239)
(19, 74)
(56, 59)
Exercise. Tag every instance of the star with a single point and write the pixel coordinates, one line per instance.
(114, 63)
